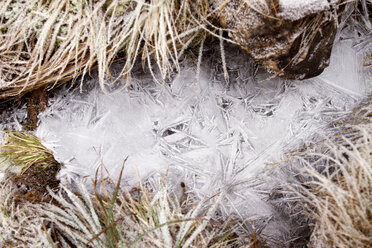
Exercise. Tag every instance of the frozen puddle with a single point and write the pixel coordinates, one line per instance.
(210, 135)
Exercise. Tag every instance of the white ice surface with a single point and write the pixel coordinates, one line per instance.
(211, 136)
(345, 69)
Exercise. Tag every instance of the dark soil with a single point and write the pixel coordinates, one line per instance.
(33, 183)
(37, 101)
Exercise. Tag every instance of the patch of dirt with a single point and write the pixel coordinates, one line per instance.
(37, 101)
(33, 183)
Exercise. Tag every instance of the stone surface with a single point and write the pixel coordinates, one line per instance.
(295, 9)
(291, 47)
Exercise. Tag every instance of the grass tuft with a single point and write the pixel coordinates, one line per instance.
(338, 195)
(24, 150)
(45, 43)
(138, 218)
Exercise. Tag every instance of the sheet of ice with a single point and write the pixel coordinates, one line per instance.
(213, 136)
(345, 69)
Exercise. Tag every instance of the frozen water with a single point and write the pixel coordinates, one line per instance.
(213, 136)
(352, 68)
(244, 125)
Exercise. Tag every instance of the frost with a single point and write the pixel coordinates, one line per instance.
(212, 136)
(345, 59)
(295, 9)
(12, 117)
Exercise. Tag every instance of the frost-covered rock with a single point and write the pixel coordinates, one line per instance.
(295, 9)
(291, 38)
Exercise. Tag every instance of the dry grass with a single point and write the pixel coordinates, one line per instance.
(113, 218)
(44, 43)
(20, 225)
(49, 42)
(134, 219)
(339, 192)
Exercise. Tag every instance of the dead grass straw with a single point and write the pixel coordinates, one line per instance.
(45, 43)
(339, 192)
(19, 224)
(139, 218)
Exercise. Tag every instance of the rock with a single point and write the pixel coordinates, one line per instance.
(293, 45)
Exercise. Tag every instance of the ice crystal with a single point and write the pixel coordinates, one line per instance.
(213, 136)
